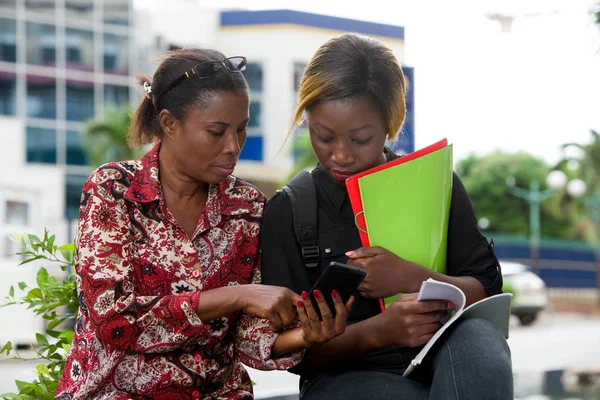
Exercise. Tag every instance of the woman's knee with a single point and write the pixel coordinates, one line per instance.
(479, 335)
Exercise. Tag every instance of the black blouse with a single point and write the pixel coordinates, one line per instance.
(469, 253)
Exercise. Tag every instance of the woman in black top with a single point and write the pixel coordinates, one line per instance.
(352, 94)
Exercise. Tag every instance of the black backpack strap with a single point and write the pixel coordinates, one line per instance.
(303, 196)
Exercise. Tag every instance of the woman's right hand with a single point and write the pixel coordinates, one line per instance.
(411, 323)
(274, 303)
(317, 330)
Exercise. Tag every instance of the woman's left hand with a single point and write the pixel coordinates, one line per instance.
(387, 274)
(317, 330)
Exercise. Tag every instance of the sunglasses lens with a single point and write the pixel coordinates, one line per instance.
(236, 64)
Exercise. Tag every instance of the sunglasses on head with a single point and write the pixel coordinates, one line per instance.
(208, 69)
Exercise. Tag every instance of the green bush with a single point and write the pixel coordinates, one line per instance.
(56, 302)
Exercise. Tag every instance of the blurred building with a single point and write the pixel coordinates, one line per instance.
(66, 61)
(278, 44)
(61, 63)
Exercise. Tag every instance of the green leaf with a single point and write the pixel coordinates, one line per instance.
(67, 247)
(21, 385)
(6, 348)
(55, 322)
(66, 348)
(42, 369)
(32, 259)
(33, 239)
(12, 396)
(42, 277)
(34, 294)
(11, 291)
(51, 243)
(41, 339)
(22, 285)
(67, 335)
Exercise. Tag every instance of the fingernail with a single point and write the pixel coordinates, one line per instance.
(335, 294)
(318, 294)
(305, 295)
(300, 305)
(350, 253)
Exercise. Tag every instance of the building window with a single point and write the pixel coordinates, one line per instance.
(76, 154)
(41, 145)
(298, 72)
(116, 54)
(116, 96)
(45, 7)
(8, 4)
(41, 96)
(254, 76)
(41, 44)
(17, 213)
(116, 12)
(255, 114)
(8, 93)
(8, 40)
(78, 10)
(80, 49)
(73, 189)
(80, 100)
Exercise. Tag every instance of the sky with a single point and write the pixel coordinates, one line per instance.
(531, 89)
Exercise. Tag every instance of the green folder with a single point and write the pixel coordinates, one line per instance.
(406, 209)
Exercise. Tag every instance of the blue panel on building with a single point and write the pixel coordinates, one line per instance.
(253, 149)
(568, 278)
(406, 140)
(242, 18)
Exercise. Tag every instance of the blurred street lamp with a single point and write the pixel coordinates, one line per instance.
(556, 181)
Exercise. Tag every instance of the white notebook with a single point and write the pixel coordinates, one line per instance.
(494, 308)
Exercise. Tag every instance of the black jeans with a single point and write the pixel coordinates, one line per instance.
(472, 361)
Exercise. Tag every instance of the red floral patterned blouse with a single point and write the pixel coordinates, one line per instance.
(140, 279)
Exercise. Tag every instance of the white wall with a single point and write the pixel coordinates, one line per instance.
(278, 48)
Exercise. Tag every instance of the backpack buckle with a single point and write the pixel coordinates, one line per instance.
(311, 256)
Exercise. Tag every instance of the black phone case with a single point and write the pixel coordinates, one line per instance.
(341, 277)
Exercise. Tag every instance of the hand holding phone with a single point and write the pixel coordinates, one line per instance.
(340, 277)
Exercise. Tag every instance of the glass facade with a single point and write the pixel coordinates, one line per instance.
(8, 4)
(116, 12)
(41, 96)
(46, 7)
(74, 186)
(253, 149)
(8, 40)
(8, 93)
(41, 44)
(79, 10)
(80, 100)
(41, 145)
(76, 155)
(254, 76)
(255, 114)
(70, 61)
(79, 49)
(116, 96)
(115, 54)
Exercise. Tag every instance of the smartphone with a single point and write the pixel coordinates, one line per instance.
(341, 277)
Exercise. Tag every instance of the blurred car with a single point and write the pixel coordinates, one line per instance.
(530, 296)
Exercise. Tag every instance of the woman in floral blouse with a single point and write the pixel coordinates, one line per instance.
(167, 254)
